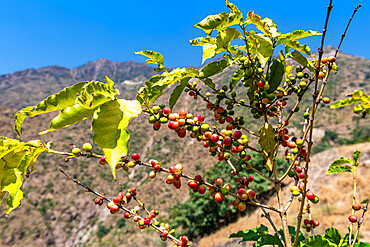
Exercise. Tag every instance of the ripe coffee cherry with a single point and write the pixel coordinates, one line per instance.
(167, 110)
(326, 100)
(182, 114)
(102, 160)
(120, 196)
(157, 168)
(237, 135)
(324, 60)
(214, 138)
(331, 59)
(251, 193)
(299, 169)
(127, 215)
(352, 218)
(218, 181)
(260, 84)
(250, 179)
(202, 189)
(218, 197)
(136, 218)
(87, 147)
(356, 207)
(321, 75)
(310, 195)
(291, 144)
(198, 178)
(135, 157)
(177, 183)
(181, 133)
(227, 141)
(200, 118)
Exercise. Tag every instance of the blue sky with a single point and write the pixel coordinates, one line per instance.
(70, 33)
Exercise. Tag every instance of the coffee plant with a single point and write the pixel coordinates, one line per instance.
(248, 45)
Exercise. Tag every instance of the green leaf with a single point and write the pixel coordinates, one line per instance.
(356, 155)
(266, 26)
(209, 23)
(362, 244)
(261, 46)
(153, 57)
(221, 21)
(178, 91)
(208, 82)
(332, 235)
(341, 161)
(69, 116)
(96, 93)
(297, 46)
(110, 128)
(15, 160)
(297, 34)
(336, 167)
(268, 144)
(110, 83)
(239, 73)
(155, 86)
(317, 240)
(224, 38)
(365, 201)
(344, 102)
(214, 68)
(251, 234)
(275, 76)
(208, 44)
(88, 94)
(58, 101)
(299, 58)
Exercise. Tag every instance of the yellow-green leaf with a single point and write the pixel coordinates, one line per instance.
(69, 116)
(15, 160)
(297, 34)
(110, 128)
(268, 144)
(266, 26)
(153, 57)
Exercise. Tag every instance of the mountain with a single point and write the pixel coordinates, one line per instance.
(39, 83)
(56, 212)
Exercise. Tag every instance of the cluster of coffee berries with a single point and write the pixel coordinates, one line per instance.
(223, 115)
(310, 224)
(244, 194)
(156, 166)
(192, 90)
(196, 184)
(143, 223)
(353, 218)
(218, 192)
(99, 201)
(120, 200)
(297, 190)
(225, 140)
(300, 77)
(175, 175)
(253, 72)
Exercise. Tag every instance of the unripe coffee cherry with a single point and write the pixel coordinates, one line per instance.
(76, 151)
(326, 100)
(87, 147)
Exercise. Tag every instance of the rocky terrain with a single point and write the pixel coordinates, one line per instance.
(55, 212)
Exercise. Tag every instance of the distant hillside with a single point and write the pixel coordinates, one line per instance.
(55, 212)
(39, 83)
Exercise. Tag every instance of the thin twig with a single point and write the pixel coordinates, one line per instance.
(267, 216)
(360, 222)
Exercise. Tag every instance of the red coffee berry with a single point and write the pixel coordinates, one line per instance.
(352, 218)
(102, 160)
(310, 195)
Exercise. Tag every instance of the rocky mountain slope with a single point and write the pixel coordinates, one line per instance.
(55, 212)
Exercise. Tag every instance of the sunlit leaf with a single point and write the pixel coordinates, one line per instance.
(16, 158)
(356, 155)
(297, 34)
(332, 235)
(268, 144)
(110, 128)
(261, 46)
(305, 49)
(266, 26)
(69, 116)
(153, 57)
(299, 58)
